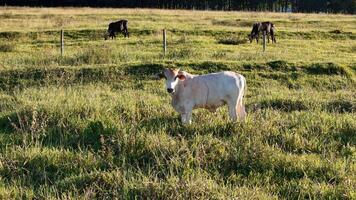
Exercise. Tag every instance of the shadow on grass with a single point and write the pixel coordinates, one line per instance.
(231, 40)
(5, 123)
(20, 79)
(209, 67)
(285, 105)
(144, 70)
(7, 47)
(341, 106)
(346, 135)
(281, 65)
(327, 69)
(10, 35)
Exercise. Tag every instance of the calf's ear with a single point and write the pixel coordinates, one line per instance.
(181, 77)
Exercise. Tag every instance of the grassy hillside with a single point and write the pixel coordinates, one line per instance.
(95, 124)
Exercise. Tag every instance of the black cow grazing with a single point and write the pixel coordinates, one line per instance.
(265, 27)
(117, 27)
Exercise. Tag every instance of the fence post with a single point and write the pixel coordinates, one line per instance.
(62, 42)
(264, 41)
(164, 42)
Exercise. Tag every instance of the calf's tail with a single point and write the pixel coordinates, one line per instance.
(240, 108)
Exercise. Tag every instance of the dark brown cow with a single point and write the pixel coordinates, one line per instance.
(117, 27)
(265, 27)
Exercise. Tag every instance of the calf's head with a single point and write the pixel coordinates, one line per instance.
(250, 37)
(106, 35)
(172, 76)
(254, 32)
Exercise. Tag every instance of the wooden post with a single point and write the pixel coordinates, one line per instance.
(62, 42)
(264, 41)
(164, 42)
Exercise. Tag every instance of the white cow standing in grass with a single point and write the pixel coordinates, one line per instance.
(208, 91)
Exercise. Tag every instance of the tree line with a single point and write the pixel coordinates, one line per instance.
(309, 6)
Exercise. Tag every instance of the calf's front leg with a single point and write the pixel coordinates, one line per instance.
(273, 39)
(186, 117)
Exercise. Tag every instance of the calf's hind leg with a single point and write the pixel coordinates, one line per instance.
(127, 33)
(241, 112)
(236, 110)
(232, 110)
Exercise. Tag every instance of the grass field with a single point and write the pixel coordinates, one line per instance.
(95, 124)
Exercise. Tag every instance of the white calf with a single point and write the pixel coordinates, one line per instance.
(208, 91)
